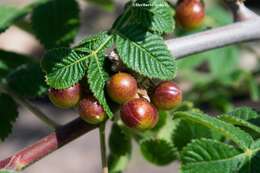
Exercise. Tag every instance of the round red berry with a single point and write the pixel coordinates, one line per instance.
(122, 87)
(167, 95)
(190, 14)
(91, 111)
(65, 98)
(139, 114)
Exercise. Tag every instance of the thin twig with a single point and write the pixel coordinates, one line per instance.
(46, 145)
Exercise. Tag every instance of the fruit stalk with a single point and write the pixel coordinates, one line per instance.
(47, 145)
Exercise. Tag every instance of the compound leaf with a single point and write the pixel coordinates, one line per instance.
(95, 46)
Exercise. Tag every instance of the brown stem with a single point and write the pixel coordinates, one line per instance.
(47, 145)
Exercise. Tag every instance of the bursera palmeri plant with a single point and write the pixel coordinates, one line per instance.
(124, 75)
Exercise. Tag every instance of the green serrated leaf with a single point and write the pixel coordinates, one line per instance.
(204, 155)
(10, 60)
(158, 151)
(155, 15)
(56, 22)
(20, 79)
(240, 117)
(97, 76)
(187, 131)
(95, 43)
(63, 67)
(145, 53)
(8, 115)
(241, 138)
(119, 141)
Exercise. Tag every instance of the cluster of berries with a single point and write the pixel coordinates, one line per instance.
(136, 111)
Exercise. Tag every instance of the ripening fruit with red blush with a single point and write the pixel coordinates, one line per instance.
(65, 98)
(122, 87)
(139, 114)
(91, 111)
(190, 14)
(167, 95)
